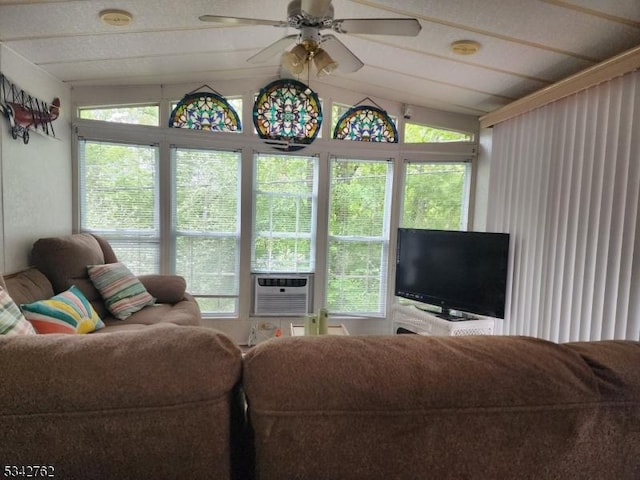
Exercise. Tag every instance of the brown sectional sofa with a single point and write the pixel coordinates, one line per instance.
(160, 397)
(60, 262)
(163, 402)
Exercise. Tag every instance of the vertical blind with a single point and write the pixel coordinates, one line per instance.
(565, 182)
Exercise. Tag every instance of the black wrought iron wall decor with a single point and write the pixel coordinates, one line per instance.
(26, 112)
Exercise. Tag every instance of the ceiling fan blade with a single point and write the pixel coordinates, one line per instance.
(347, 61)
(272, 50)
(241, 21)
(315, 8)
(378, 26)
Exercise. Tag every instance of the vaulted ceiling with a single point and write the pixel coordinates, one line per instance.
(525, 45)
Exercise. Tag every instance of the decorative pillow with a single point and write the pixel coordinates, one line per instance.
(12, 322)
(67, 312)
(122, 292)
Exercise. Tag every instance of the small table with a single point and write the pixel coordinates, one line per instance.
(298, 330)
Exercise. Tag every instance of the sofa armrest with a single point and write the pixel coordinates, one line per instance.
(164, 288)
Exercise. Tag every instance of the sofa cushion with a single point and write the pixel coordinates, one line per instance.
(67, 312)
(410, 406)
(12, 322)
(122, 292)
(28, 286)
(183, 313)
(63, 260)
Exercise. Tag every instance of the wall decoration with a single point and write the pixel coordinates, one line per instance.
(200, 110)
(288, 113)
(366, 123)
(26, 112)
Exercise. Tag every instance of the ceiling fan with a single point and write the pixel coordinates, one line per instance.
(325, 51)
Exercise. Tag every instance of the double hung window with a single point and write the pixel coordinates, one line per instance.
(285, 197)
(358, 243)
(206, 225)
(119, 200)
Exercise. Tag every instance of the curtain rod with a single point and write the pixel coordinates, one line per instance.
(625, 62)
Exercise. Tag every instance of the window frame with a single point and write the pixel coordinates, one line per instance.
(248, 143)
(124, 236)
(203, 234)
(385, 239)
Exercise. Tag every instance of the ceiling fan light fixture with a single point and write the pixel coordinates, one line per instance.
(291, 63)
(324, 63)
(295, 59)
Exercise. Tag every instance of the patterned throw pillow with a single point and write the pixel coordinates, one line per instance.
(67, 312)
(122, 292)
(12, 322)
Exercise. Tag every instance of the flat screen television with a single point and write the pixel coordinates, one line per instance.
(453, 270)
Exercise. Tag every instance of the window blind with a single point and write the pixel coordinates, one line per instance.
(206, 216)
(359, 216)
(285, 196)
(119, 200)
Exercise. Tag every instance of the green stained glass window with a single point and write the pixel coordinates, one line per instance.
(205, 111)
(365, 123)
(288, 111)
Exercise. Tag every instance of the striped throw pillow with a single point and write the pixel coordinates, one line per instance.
(67, 312)
(12, 322)
(122, 292)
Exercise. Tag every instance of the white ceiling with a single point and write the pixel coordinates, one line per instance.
(525, 44)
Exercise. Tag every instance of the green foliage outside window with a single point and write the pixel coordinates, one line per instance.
(119, 200)
(284, 213)
(358, 236)
(434, 196)
(414, 133)
(206, 216)
(137, 115)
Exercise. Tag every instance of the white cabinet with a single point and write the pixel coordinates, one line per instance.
(410, 319)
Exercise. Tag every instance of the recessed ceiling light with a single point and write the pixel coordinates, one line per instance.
(116, 18)
(465, 47)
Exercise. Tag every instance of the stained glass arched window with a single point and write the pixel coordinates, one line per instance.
(205, 111)
(365, 123)
(287, 110)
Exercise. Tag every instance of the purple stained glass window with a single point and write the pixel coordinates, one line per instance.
(205, 111)
(289, 111)
(365, 123)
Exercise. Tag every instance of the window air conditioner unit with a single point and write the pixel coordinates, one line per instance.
(282, 295)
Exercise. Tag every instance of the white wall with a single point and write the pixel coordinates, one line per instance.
(36, 177)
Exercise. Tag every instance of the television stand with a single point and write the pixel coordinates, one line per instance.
(451, 318)
(417, 320)
(446, 314)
